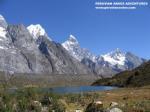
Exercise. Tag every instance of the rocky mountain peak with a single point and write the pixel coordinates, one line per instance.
(115, 53)
(19, 36)
(71, 42)
(3, 22)
(73, 47)
(36, 31)
(3, 33)
(116, 57)
(72, 39)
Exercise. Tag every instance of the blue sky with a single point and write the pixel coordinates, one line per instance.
(98, 30)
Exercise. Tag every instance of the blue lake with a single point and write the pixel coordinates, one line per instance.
(79, 89)
(68, 90)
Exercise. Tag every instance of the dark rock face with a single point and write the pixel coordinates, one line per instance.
(89, 63)
(20, 36)
(60, 60)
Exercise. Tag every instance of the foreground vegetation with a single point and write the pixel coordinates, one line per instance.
(31, 100)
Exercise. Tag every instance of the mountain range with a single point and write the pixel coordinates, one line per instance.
(104, 65)
(31, 50)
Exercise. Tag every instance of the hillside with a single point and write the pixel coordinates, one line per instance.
(138, 77)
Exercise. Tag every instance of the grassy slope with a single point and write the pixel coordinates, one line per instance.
(135, 78)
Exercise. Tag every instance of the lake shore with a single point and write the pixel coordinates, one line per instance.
(128, 99)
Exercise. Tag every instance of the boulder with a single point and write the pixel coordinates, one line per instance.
(113, 104)
(37, 103)
(78, 110)
(114, 107)
(96, 106)
(36, 106)
(44, 109)
(114, 110)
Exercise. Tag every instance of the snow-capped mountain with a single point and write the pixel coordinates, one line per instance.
(3, 22)
(2, 33)
(3, 26)
(120, 60)
(116, 57)
(30, 50)
(37, 31)
(73, 47)
(109, 63)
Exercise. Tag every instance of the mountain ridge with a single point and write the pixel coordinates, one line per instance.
(23, 52)
(109, 63)
(32, 48)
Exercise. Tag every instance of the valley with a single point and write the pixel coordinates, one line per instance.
(81, 81)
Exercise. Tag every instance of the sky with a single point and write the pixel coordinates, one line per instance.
(100, 31)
